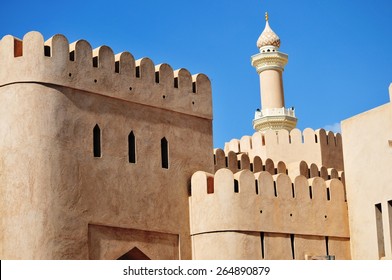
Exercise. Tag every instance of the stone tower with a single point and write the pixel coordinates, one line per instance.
(269, 64)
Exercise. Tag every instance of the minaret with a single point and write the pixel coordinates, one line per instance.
(270, 64)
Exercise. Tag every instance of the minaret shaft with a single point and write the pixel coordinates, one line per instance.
(271, 89)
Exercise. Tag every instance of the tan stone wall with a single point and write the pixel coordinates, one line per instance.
(368, 161)
(319, 147)
(260, 202)
(232, 246)
(53, 189)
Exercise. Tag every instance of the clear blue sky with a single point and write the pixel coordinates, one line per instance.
(340, 52)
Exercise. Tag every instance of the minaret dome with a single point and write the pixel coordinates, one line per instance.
(268, 37)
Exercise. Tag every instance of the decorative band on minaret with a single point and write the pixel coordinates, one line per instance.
(270, 64)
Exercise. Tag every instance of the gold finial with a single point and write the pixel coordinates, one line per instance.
(266, 16)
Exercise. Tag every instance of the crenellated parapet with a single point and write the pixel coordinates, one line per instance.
(261, 202)
(320, 147)
(241, 161)
(100, 71)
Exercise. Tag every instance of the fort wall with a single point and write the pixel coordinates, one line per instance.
(241, 161)
(82, 161)
(247, 202)
(119, 76)
(319, 147)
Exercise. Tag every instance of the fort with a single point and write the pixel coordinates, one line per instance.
(106, 157)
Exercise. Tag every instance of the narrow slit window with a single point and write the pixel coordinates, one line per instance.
(95, 61)
(257, 186)
(236, 186)
(137, 70)
(131, 148)
(194, 87)
(327, 245)
(310, 192)
(380, 231)
(292, 246)
(275, 190)
(164, 153)
(262, 245)
(157, 77)
(176, 82)
(97, 141)
(47, 51)
(292, 190)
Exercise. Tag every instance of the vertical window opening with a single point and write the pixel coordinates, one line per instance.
(262, 245)
(292, 246)
(292, 190)
(137, 72)
(164, 153)
(95, 61)
(157, 77)
(328, 194)
(275, 190)
(117, 67)
(251, 167)
(310, 192)
(214, 159)
(327, 245)
(239, 164)
(131, 148)
(226, 162)
(380, 231)
(257, 186)
(194, 87)
(176, 82)
(97, 141)
(315, 138)
(47, 51)
(236, 187)
(72, 56)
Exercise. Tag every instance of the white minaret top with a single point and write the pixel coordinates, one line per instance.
(268, 37)
(269, 64)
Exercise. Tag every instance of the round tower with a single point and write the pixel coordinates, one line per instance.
(269, 64)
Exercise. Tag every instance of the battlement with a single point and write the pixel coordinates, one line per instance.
(261, 202)
(320, 147)
(100, 71)
(241, 161)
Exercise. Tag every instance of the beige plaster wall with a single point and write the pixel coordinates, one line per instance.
(273, 205)
(319, 147)
(368, 161)
(271, 89)
(227, 246)
(52, 187)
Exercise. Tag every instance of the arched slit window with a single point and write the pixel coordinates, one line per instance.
(131, 148)
(164, 153)
(97, 141)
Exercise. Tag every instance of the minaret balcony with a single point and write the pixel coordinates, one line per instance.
(275, 119)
